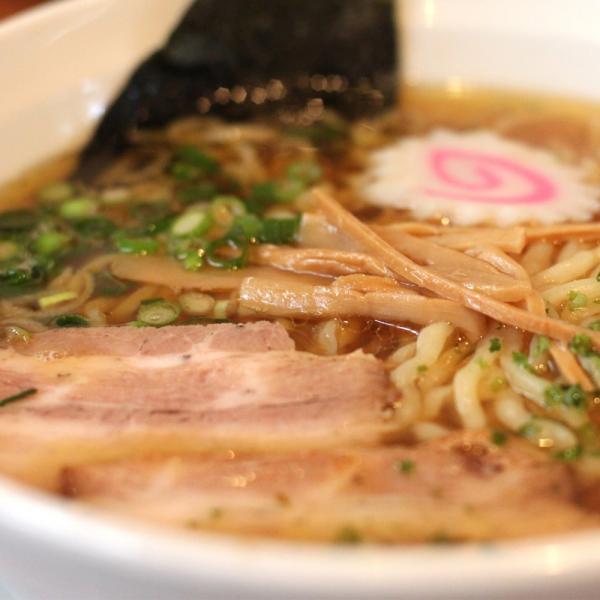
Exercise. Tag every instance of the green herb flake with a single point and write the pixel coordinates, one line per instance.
(495, 345)
(215, 513)
(499, 438)
(567, 395)
(497, 383)
(595, 325)
(520, 358)
(577, 300)
(71, 320)
(348, 535)
(529, 430)
(540, 346)
(574, 396)
(581, 345)
(406, 467)
(19, 396)
(569, 454)
(482, 363)
(422, 369)
(553, 395)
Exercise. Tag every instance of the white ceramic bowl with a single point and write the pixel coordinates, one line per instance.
(59, 66)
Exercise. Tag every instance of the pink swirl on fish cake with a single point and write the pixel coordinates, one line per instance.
(490, 174)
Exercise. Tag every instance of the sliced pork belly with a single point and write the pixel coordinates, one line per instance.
(148, 341)
(458, 488)
(167, 396)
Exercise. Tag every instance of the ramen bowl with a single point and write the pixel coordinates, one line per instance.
(61, 75)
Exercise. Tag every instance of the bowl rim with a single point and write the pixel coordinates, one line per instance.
(296, 567)
(300, 567)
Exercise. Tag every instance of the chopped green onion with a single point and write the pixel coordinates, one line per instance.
(595, 325)
(78, 208)
(495, 345)
(196, 303)
(249, 225)
(56, 192)
(521, 359)
(541, 345)
(142, 246)
(191, 223)
(261, 196)
(18, 220)
(499, 438)
(406, 466)
(94, 227)
(50, 242)
(305, 171)
(482, 363)
(288, 190)
(18, 396)
(569, 454)
(71, 320)
(574, 396)
(192, 156)
(529, 430)
(185, 172)
(577, 300)
(567, 395)
(47, 301)
(280, 231)
(198, 192)
(225, 209)
(157, 312)
(193, 260)
(227, 253)
(348, 535)
(581, 345)
(422, 369)
(553, 395)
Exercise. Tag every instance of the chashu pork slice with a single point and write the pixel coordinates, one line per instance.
(458, 488)
(103, 394)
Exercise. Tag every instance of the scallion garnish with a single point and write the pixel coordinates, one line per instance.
(225, 209)
(280, 231)
(50, 242)
(569, 454)
(520, 358)
(192, 223)
(229, 252)
(577, 300)
(541, 345)
(305, 171)
(581, 345)
(499, 438)
(157, 312)
(567, 395)
(71, 320)
(406, 466)
(143, 245)
(495, 345)
(78, 208)
(19, 396)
